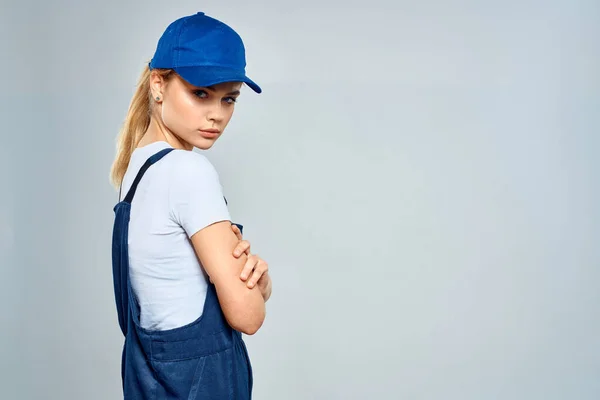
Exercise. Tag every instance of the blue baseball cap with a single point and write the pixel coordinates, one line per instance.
(203, 51)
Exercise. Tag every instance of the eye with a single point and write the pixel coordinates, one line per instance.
(201, 93)
(230, 100)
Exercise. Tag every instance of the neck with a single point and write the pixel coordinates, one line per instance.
(158, 132)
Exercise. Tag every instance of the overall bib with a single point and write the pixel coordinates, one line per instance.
(205, 359)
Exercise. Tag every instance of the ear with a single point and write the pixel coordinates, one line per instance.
(157, 86)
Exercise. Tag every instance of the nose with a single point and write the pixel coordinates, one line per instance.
(215, 112)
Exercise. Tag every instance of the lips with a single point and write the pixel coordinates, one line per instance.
(209, 133)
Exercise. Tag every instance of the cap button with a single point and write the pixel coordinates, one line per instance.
(200, 13)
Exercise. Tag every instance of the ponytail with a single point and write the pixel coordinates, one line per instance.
(135, 125)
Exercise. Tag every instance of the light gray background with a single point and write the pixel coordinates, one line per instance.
(421, 176)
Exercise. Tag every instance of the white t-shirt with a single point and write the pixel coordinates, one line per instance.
(178, 196)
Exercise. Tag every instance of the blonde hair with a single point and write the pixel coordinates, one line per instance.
(135, 125)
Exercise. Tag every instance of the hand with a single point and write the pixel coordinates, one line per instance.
(243, 247)
(265, 285)
(254, 265)
(256, 273)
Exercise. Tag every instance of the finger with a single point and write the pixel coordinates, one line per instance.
(258, 273)
(261, 268)
(242, 247)
(249, 267)
(237, 231)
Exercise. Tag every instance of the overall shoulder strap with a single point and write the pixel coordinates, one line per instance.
(151, 160)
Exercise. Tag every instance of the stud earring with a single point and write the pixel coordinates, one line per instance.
(157, 98)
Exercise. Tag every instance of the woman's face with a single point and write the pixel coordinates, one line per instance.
(196, 116)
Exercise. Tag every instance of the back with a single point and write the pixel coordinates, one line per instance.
(176, 198)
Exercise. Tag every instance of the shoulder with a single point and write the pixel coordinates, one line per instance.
(195, 195)
(190, 160)
(189, 165)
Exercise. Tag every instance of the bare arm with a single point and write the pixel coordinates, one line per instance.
(243, 307)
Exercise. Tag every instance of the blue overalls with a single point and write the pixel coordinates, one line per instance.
(205, 359)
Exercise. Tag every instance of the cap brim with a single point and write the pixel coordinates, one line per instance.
(208, 76)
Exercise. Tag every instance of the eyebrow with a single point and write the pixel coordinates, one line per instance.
(235, 92)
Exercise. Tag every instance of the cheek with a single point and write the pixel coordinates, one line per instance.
(228, 114)
(180, 113)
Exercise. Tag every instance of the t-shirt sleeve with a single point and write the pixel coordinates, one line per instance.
(196, 195)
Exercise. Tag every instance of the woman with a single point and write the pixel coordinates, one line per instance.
(186, 285)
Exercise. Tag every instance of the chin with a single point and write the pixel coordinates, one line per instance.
(203, 144)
